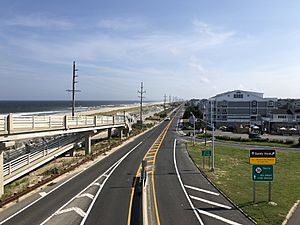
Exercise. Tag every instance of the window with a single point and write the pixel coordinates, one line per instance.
(270, 103)
(281, 116)
(238, 95)
(254, 103)
(254, 111)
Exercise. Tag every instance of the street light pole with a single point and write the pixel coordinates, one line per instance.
(204, 111)
(213, 138)
(194, 118)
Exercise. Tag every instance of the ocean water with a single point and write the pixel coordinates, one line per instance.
(52, 107)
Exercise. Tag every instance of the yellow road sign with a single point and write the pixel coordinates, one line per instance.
(262, 161)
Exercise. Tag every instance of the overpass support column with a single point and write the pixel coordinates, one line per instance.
(109, 133)
(1, 173)
(121, 133)
(88, 144)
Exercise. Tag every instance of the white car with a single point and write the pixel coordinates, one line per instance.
(167, 118)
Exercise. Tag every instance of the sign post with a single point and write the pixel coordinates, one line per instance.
(262, 162)
(206, 153)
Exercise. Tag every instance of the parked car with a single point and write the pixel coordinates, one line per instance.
(223, 128)
(210, 128)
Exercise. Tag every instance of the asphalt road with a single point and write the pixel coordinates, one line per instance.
(101, 193)
(111, 206)
(184, 196)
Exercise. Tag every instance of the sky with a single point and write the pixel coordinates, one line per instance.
(188, 49)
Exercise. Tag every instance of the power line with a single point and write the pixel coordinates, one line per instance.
(141, 92)
(73, 87)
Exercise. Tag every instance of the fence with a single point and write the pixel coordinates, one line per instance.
(21, 124)
(37, 153)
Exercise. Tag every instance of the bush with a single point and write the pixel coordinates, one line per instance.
(289, 142)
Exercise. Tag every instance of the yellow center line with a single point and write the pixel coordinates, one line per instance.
(151, 153)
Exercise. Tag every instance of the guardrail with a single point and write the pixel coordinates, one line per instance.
(37, 153)
(21, 124)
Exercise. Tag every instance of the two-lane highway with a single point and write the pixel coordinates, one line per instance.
(104, 193)
(184, 195)
(79, 198)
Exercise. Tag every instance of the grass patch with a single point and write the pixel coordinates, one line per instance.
(233, 177)
(15, 187)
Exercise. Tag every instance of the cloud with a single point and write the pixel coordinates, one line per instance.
(154, 56)
(38, 21)
(214, 35)
(121, 24)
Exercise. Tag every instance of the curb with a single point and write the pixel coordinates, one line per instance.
(291, 212)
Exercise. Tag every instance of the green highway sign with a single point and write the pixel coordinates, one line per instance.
(206, 152)
(262, 172)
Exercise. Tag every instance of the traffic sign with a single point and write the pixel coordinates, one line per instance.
(262, 172)
(206, 152)
(259, 153)
(262, 161)
(262, 157)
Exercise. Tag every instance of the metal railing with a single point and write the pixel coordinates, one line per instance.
(21, 124)
(37, 153)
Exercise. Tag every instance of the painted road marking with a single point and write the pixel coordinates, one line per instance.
(52, 190)
(184, 191)
(202, 190)
(155, 146)
(210, 202)
(97, 184)
(86, 195)
(43, 194)
(217, 217)
(78, 210)
(111, 169)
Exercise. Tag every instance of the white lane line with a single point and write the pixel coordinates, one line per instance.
(184, 191)
(91, 184)
(86, 195)
(43, 194)
(100, 189)
(202, 190)
(79, 211)
(210, 202)
(217, 217)
(52, 190)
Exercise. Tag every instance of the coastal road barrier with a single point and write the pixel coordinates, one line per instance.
(12, 124)
(38, 153)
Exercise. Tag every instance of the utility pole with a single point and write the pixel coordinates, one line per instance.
(170, 98)
(141, 92)
(165, 99)
(73, 87)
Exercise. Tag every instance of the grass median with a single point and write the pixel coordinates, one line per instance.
(233, 176)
